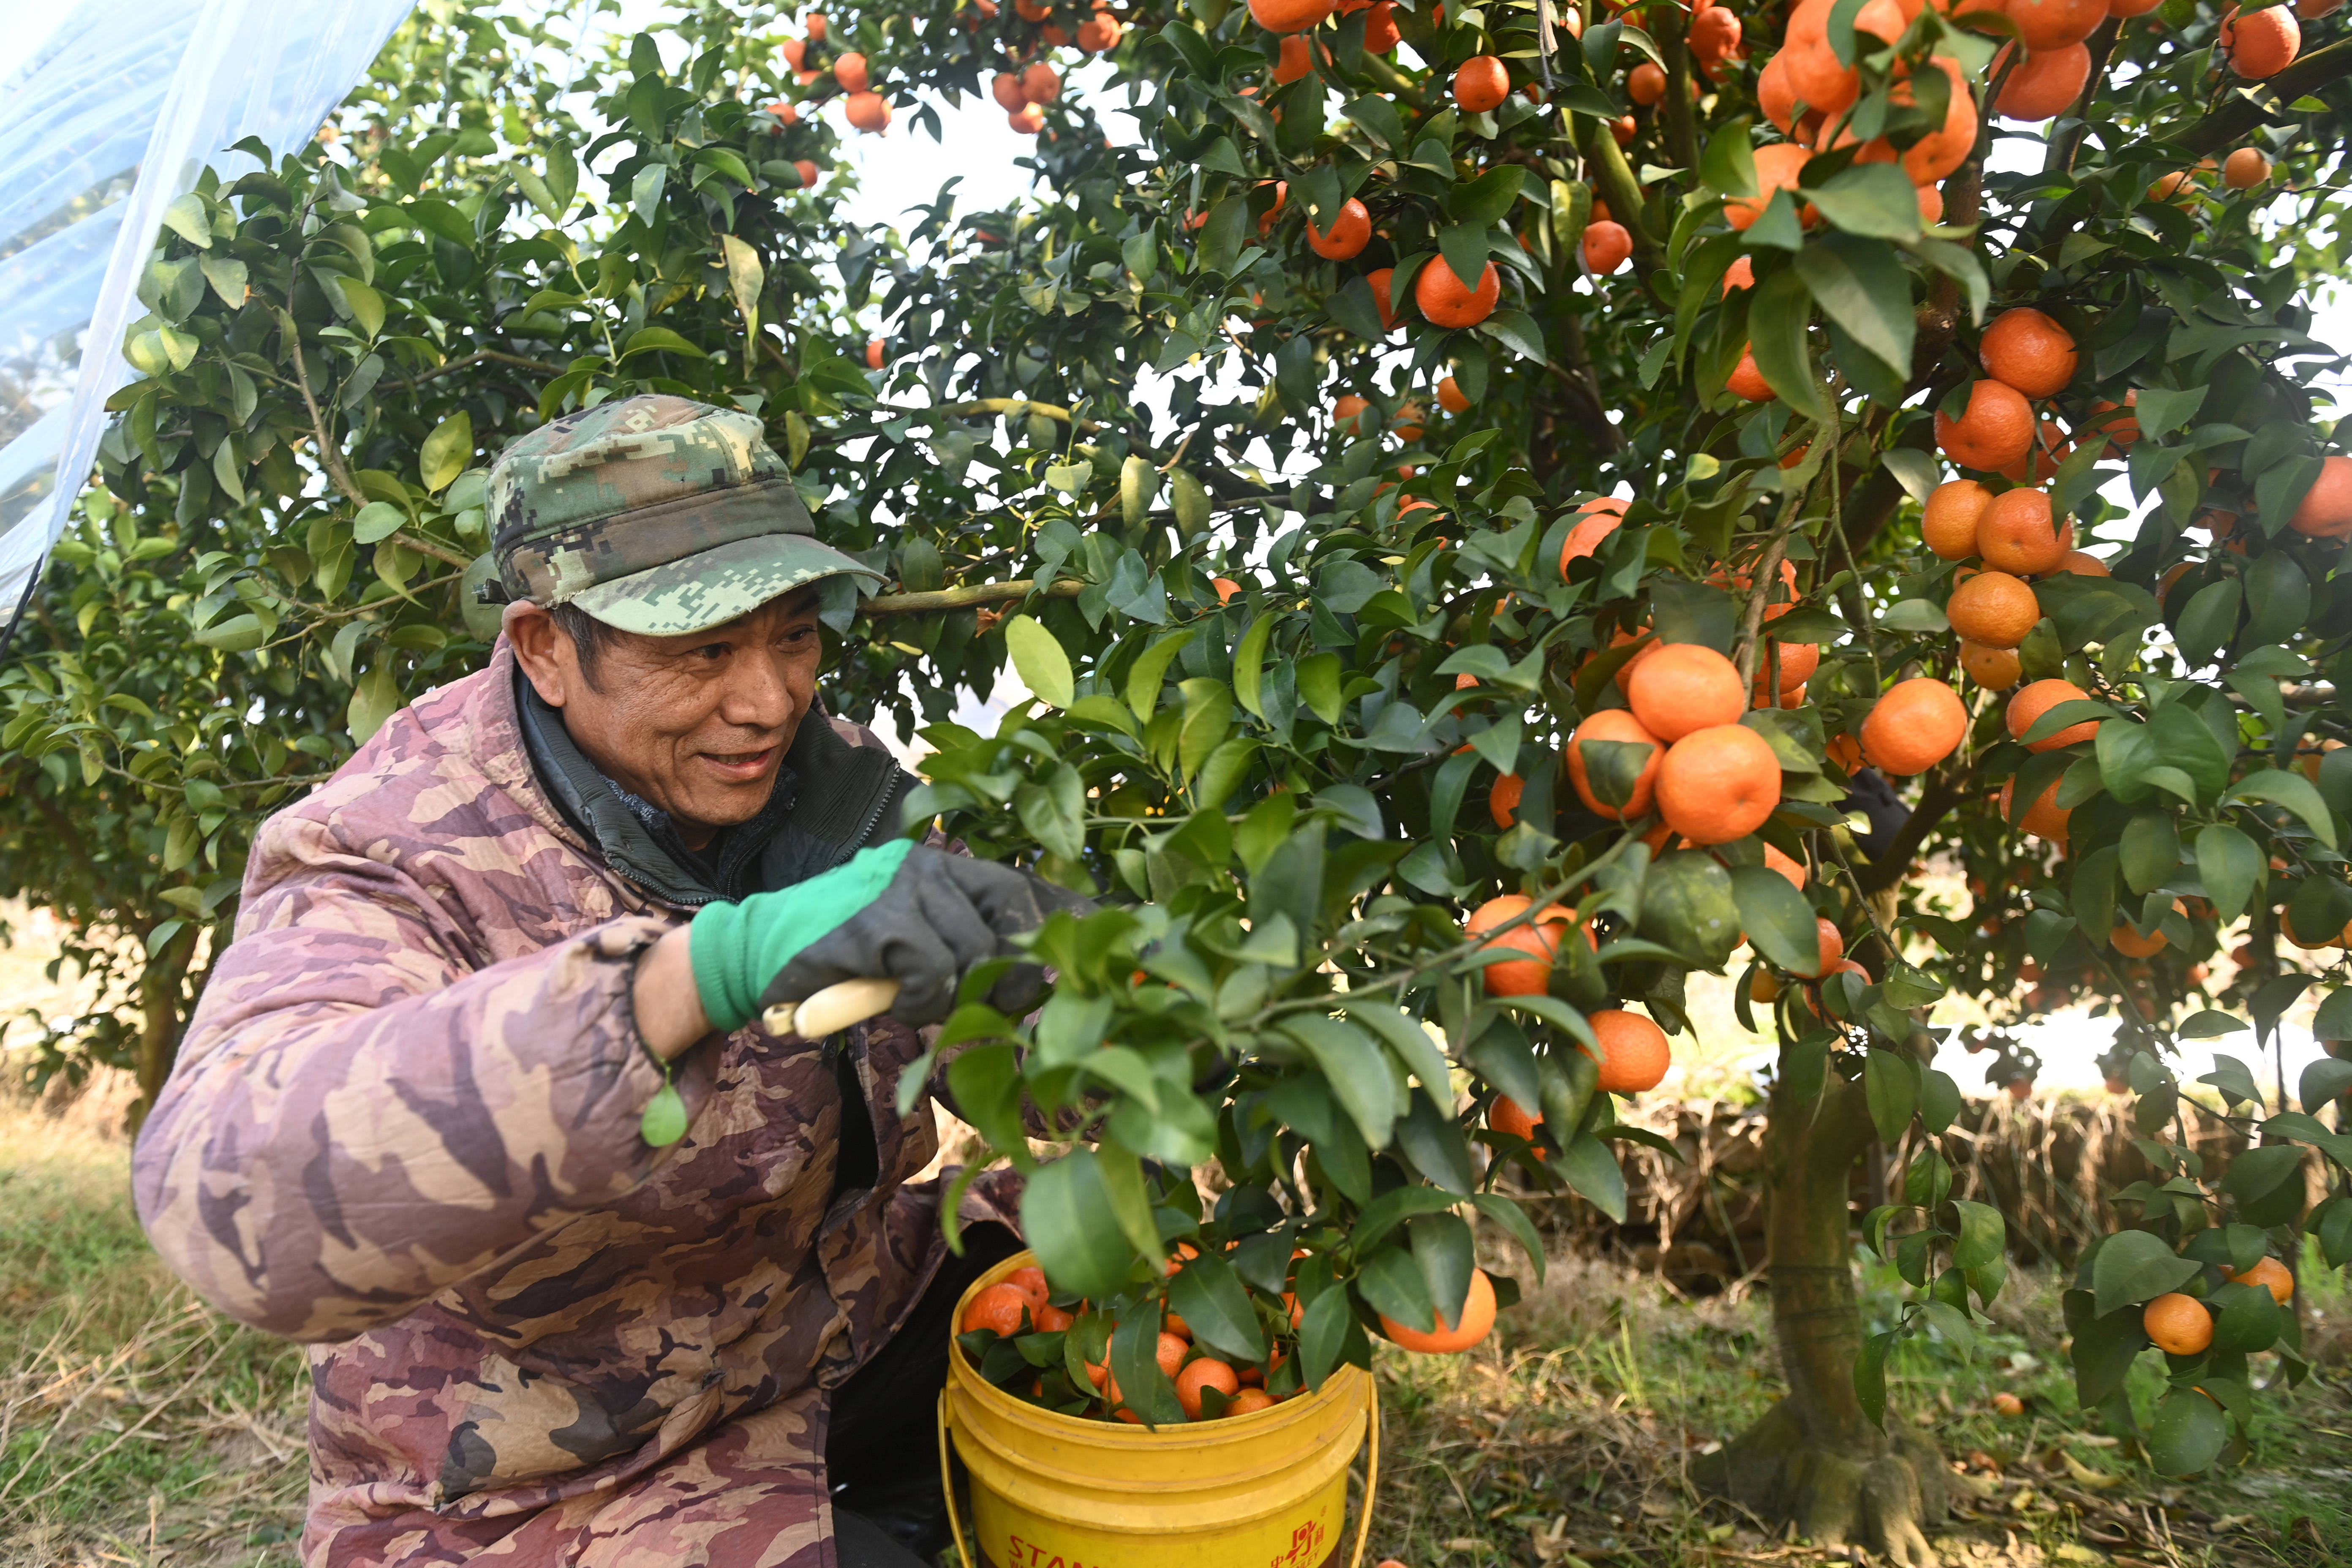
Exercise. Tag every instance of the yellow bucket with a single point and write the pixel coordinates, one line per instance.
(1268, 1489)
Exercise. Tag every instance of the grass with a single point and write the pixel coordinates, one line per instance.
(138, 1428)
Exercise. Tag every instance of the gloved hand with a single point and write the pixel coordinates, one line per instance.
(902, 911)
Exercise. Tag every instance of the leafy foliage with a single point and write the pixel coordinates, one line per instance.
(1281, 658)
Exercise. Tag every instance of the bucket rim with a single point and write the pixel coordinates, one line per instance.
(1338, 1389)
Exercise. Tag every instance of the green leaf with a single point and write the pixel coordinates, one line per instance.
(375, 698)
(1777, 318)
(1891, 1085)
(1208, 1296)
(659, 340)
(1870, 1375)
(188, 217)
(1861, 286)
(445, 453)
(2208, 621)
(2208, 1025)
(746, 276)
(1873, 200)
(1066, 1215)
(2133, 1267)
(1983, 1235)
(1485, 200)
(1464, 245)
(1323, 1335)
(1249, 665)
(1039, 661)
(1353, 1067)
(645, 192)
(2293, 790)
(1778, 922)
(1688, 903)
(378, 521)
(1729, 164)
(2187, 1434)
(2232, 866)
(1149, 671)
(1589, 1166)
(366, 306)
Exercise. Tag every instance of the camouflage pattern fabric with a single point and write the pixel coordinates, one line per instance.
(654, 514)
(403, 1128)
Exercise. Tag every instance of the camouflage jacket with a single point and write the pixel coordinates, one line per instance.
(403, 1128)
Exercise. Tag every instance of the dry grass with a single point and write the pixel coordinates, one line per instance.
(136, 1426)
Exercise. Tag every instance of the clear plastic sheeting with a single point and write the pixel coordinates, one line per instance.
(106, 115)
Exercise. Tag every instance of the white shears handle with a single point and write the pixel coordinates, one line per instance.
(833, 1009)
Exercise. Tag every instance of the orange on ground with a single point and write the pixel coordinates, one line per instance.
(1481, 84)
(1994, 669)
(2029, 705)
(1615, 724)
(2028, 351)
(1289, 16)
(1607, 247)
(2045, 819)
(1450, 398)
(1249, 1402)
(2244, 169)
(1778, 167)
(1746, 381)
(1444, 299)
(1633, 1051)
(2017, 534)
(999, 1309)
(869, 111)
(2326, 508)
(2007, 1403)
(2045, 86)
(1792, 870)
(2269, 1273)
(1600, 518)
(1645, 83)
(1502, 800)
(1916, 724)
(2178, 1324)
(1204, 1374)
(1948, 522)
(1719, 783)
(1832, 942)
(1477, 1322)
(1995, 430)
(1993, 608)
(1682, 687)
(2262, 43)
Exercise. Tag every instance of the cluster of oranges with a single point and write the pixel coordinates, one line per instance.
(1208, 1387)
(1024, 95)
(863, 107)
(1633, 1051)
(2182, 1325)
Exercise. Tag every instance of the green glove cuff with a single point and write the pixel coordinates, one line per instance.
(737, 949)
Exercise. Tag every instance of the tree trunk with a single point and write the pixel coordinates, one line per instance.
(1815, 1459)
(160, 1019)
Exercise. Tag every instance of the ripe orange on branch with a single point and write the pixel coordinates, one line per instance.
(1993, 431)
(1719, 783)
(1447, 301)
(1607, 247)
(1290, 16)
(2042, 86)
(1746, 381)
(1779, 168)
(2261, 43)
(2269, 1273)
(1351, 231)
(1914, 725)
(1994, 669)
(2026, 708)
(1948, 522)
(1477, 1322)
(1634, 1055)
(1682, 687)
(2017, 534)
(2325, 510)
(2045, 819)
(1480, 84)
(2177, 1324)
(1615, 724)
(2030, 352)
(1994, 609)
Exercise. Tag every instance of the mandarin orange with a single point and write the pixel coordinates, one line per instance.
(1916, 724)
(1719, 783)
(1634, 1055)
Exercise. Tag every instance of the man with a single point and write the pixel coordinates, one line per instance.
(410, 1123)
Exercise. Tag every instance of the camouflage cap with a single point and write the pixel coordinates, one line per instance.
(654, 514)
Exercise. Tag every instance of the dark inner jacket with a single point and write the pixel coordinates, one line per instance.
(831, 800)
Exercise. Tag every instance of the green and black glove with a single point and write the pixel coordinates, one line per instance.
(900, 911)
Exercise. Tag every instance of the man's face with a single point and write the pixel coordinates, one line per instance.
(695, 724)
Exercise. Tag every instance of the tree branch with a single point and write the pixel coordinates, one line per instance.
(1944, 789)
(330, 457)
(2065, 145)
(966, 596)
(477, 357)
(2245, 111)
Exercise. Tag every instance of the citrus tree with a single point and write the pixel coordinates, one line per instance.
(1498, 509)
